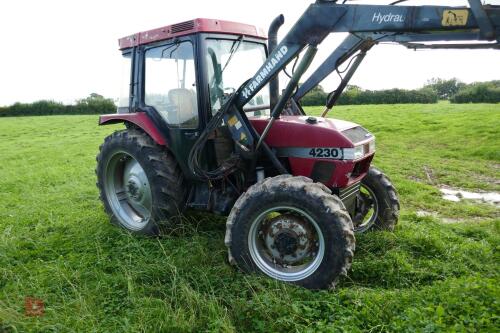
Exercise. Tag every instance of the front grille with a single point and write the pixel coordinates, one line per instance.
(346, 193)
(361, 167)
(188, 25)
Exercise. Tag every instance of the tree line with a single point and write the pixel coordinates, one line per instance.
(94, 104)
(434, 90)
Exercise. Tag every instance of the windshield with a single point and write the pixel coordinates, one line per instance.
(230, 64)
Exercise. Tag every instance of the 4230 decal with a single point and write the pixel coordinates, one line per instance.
(332, 153)
(326, 153)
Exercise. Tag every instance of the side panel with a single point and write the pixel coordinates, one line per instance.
(140, 119)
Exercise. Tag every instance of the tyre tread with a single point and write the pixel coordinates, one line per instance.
(331, 203)
(167, 177)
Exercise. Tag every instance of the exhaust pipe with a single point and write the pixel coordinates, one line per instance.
(272, 42)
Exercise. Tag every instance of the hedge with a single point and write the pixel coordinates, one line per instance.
(356, 95)
(95, 104)
(390, 96)
(479, 92)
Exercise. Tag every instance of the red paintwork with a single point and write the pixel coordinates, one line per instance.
(294, 131)
(140, 119)
(288, 131)
(200, 25)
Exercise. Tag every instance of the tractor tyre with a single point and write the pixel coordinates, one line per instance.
(377, 203)
(140, 183)
(293, 230)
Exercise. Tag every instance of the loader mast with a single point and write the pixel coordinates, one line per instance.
(387, 23)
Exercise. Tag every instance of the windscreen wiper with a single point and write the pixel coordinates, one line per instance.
(234, 49)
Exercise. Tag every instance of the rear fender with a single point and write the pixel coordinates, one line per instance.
(140, 119)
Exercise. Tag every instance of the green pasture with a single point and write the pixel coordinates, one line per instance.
(439, 270)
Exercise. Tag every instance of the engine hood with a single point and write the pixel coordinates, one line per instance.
(305, 131)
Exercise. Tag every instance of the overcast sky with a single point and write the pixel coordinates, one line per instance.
(63, 50)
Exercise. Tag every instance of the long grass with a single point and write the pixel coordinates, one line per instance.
(56, 243)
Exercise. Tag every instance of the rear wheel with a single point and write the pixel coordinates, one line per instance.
(140, 183)
(292, 230)
(377, 204)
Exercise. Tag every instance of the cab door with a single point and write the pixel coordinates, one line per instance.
(170, 94)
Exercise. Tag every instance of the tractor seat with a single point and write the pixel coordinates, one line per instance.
(185, 103)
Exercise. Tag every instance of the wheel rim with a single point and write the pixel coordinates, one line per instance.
(371, 216)
(286, 243)
(128, 191)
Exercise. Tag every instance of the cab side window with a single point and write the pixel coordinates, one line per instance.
(170, 83)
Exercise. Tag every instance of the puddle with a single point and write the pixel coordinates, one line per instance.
(424, 213)
(446, 220)
(493, 198)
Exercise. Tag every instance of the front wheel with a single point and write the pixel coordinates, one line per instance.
(292, 230)
(377, 204)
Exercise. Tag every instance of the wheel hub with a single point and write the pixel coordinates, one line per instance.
(134, 189)
(286, 243)
(289, 239)
(128, 190)
(366, 209)
(135, 180)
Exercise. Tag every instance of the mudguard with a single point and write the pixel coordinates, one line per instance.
(139, 119)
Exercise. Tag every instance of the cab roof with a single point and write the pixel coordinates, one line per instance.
(191, 27)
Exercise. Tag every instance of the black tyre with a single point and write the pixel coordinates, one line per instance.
(292, 230)
(377, 203)
(139, 182)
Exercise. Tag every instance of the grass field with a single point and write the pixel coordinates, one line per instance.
(56, 243)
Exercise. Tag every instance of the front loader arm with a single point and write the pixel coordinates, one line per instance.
(424, 23)
(349, 46)
(354, 42)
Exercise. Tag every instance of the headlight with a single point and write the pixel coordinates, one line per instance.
(371, 146)
(359, 151)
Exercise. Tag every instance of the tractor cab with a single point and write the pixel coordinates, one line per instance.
(180, 74)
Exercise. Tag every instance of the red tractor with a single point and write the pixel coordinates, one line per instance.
(201, 135)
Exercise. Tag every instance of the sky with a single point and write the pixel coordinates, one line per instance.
(65, 50)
